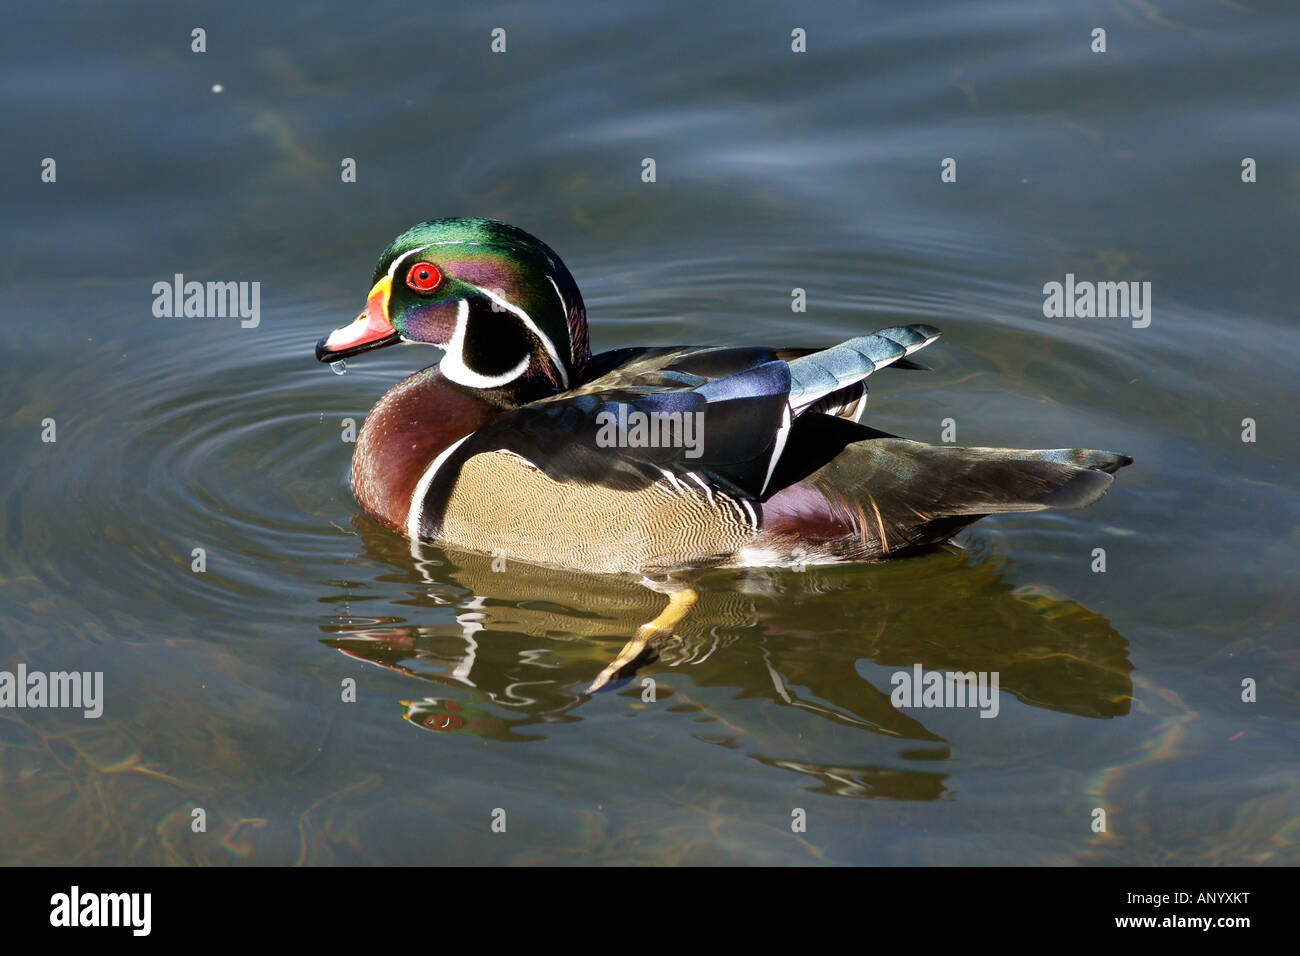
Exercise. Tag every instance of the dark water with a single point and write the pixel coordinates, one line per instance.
(1119, 690)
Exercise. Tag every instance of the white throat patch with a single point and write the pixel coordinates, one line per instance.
(453, 362)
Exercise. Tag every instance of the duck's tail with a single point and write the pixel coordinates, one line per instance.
(951, 480)
(883, 495)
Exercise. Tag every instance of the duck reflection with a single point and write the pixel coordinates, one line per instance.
(526, 642)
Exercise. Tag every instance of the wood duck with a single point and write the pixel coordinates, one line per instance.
(522, 443)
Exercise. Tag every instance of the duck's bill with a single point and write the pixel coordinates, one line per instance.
(368, 331)
(360, 336)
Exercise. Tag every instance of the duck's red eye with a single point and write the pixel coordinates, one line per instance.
(423, 277)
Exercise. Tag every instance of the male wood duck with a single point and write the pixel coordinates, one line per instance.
(521, 443)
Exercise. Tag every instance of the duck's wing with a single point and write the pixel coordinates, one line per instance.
(627, 432)
(719, 417)
(822, 375)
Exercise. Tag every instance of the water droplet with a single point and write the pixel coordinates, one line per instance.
(339, 367)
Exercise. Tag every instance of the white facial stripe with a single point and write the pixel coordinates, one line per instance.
(564, 308)
(532, 327)
(453, 362)
(392, 270)
(422, 489)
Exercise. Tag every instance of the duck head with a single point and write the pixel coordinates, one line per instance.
(498, 301)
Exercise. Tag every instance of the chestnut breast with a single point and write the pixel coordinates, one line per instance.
(406, 430)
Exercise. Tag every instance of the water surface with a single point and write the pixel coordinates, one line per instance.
(775, 170)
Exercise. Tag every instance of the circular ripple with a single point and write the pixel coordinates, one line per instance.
(241, 456)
